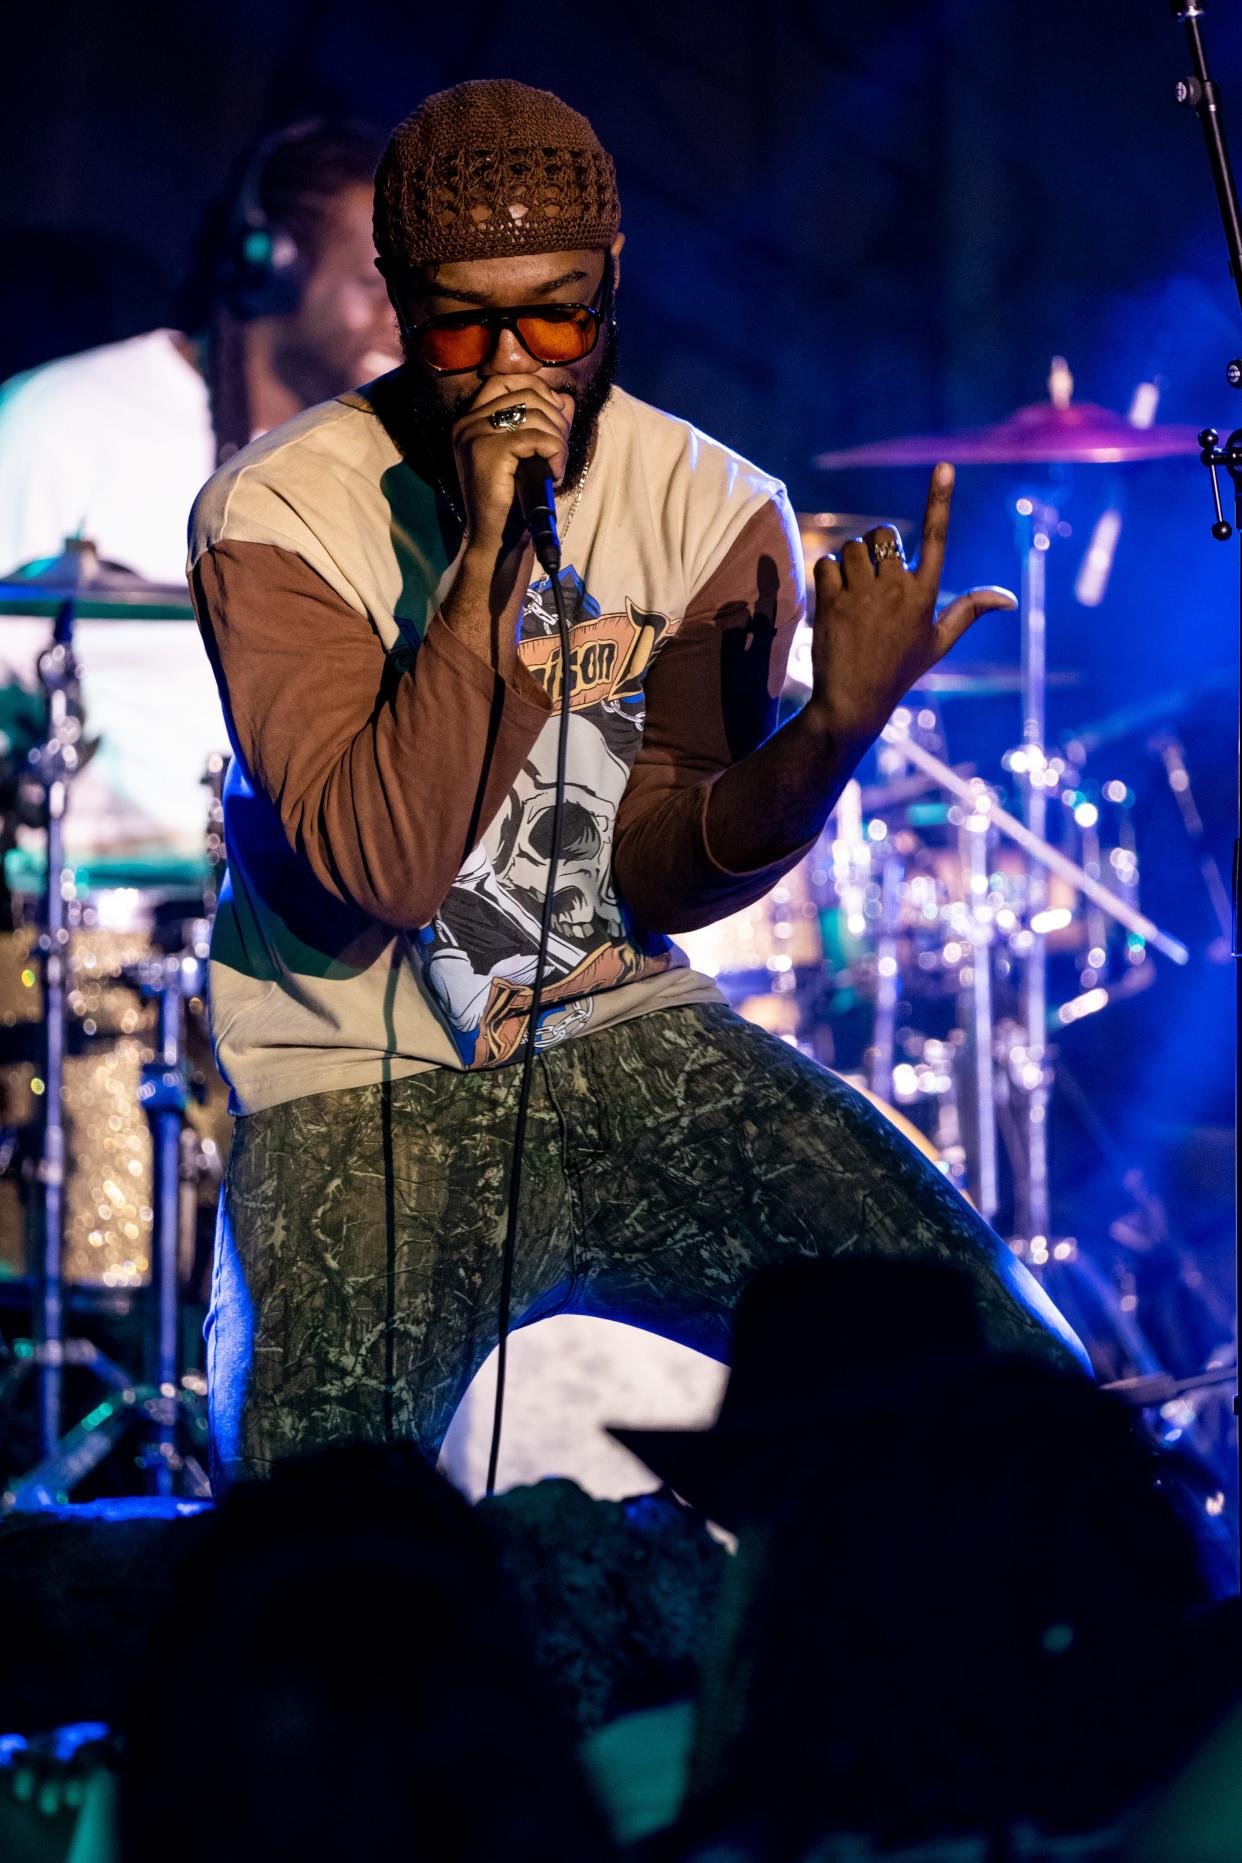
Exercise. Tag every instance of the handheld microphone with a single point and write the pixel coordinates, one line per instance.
(536, 496)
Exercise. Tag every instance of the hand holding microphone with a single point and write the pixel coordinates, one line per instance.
(512, 444)
(536, 496)
(515, 421)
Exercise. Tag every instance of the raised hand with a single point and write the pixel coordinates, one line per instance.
(876, 631)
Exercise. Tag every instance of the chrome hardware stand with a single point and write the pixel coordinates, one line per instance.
(1199, 92)
(1033, 1215)
(85, 1446)
(1048, 857)
(164, 1097)
(882, 1052)
(66, 1458)
(63, 1459)
(164, 1399)
(1020, 1052)
(978, 1019)
(56, 763)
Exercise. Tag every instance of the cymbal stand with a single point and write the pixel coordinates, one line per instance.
(974, 1161)
(1032, 1207)
(66, 1458)
(56, 763)
(973, 839)
(1200, 93)
(164, 1095)
(882, 1052)
(980, 802)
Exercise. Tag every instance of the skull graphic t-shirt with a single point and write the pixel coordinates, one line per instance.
(480, 950)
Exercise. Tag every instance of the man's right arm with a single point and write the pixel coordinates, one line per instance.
(384, 780)
(386, 777)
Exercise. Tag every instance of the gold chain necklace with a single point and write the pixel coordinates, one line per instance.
(451, 502)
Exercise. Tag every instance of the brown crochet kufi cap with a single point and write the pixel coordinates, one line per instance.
(489, 169)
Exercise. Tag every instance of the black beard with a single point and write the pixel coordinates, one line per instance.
(432, 420)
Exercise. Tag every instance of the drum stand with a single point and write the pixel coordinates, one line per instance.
(883, 1051)
(1200, 93)
(56, 762)
(1033, 1077)
(65, 1459)
(164, 1096)
(981, 814)
(1022, 1052)
(979, 1019)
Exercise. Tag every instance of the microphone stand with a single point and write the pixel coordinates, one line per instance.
(1199, 93)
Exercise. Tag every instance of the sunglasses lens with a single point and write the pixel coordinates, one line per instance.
(558, 339)
(454, 346)
(451, 348)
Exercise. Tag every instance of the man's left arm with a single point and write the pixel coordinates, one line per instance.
(700, 832)
(719, 805)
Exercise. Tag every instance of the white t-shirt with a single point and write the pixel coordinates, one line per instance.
(114, 444)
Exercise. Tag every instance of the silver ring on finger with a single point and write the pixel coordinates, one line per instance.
(503, 419)
(886, 547)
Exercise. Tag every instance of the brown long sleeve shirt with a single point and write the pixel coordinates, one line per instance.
(388, 811)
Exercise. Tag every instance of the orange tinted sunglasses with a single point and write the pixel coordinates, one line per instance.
(550, 333)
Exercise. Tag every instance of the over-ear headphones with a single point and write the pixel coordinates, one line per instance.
(263, 270)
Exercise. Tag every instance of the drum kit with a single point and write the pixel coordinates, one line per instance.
(114, 1122)
(914, 949)
(948, 926)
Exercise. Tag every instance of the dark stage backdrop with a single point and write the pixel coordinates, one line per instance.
(843, 222)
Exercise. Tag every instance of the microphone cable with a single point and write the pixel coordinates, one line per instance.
(537, 500)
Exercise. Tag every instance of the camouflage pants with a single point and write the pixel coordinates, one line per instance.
(358, 1262)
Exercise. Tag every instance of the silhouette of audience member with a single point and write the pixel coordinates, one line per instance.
(340, 1675)
(815, 1344)
(618, 1594)
(961, 1594)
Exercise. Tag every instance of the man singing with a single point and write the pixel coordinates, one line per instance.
(386, 653)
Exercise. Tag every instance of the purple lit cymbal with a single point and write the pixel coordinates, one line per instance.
(1041, 434)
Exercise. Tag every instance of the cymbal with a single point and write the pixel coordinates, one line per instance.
(823, 532)
(99, 590)
(940, 684)
(984, 682)
(1042, 434)
(827, 530)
